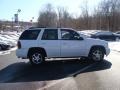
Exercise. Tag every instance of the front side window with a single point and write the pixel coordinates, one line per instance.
(50, 34)
(30, 35)
(69, 35)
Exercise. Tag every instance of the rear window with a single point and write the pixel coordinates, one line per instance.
(50, 34)
(30, 35)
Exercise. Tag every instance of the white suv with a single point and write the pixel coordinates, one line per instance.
(40, 43)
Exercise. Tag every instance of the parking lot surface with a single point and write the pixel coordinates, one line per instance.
(60, 74)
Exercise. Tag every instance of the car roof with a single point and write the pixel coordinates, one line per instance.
(39, 28)
(103, 33)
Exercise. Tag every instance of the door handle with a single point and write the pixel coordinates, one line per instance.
(43, 43)
(64, 43)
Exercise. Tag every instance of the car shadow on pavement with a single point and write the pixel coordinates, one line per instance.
(98, 66)
(51, 70)
(12, 71)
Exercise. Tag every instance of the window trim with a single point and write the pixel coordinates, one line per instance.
(68, 39)
(39, 31)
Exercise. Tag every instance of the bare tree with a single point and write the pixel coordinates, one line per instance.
(109, 13)
(105, 17)
(48, 17)
(85, 15)
(64, 18)
(0, 25)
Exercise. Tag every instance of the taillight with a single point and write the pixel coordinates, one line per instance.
(19, 45)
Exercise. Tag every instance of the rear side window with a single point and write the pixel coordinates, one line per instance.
(50, 34)
(30, 35)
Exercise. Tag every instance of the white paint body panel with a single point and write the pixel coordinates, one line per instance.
(72, 48)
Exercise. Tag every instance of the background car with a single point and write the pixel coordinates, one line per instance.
(106, 35)
(4, 46)
(118, 32)
(9, 41)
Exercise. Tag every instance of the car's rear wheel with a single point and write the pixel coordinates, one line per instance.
(117, 39)
(0, 47)
(96, 54)
(36, 58)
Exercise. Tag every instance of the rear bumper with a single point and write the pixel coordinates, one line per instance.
(21, 53)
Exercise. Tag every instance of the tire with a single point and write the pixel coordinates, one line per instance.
(0, 47)
(117, 39)
(96, 54)
(83, 58)
(36, 58)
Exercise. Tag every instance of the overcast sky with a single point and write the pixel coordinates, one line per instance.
(31, 8)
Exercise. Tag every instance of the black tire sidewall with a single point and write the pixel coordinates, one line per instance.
(0, 47)
(93, 50)
(30, 57)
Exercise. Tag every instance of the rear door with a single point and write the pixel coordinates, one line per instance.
(49, 41)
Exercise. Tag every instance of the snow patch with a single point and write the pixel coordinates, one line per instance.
(7, 51)
(114, 46)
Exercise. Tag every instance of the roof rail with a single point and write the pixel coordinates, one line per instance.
(36, 27)
(32, 27)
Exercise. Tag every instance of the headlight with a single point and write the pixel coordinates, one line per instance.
(106, 45)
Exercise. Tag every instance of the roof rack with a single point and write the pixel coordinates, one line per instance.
(36, 27)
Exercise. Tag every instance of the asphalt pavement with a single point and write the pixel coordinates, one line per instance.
(60, 74)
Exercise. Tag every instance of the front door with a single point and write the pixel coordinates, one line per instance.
(71, 44)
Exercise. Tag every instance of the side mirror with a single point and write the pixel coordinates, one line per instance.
(81, 38)
(78, 38)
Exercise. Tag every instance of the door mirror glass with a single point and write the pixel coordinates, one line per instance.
(81, 38)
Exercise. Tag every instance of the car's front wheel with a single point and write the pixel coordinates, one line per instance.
(36, 58)
(0, 47)
(96, 54)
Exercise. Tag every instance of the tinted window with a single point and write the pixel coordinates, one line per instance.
(69, 35)
(50, 34)
(108, 37)
(30, 35)
(118, 32)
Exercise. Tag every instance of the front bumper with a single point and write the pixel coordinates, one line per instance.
(107, 51)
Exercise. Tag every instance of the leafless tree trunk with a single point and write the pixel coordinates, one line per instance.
(85, 15)
(48, 17)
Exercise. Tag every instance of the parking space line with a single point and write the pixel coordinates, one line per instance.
(83, 69)
(71, 75)
(4, 52)
(116, 51)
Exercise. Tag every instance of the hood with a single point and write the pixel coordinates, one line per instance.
(96, 42)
